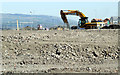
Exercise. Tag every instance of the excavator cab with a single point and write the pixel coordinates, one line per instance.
(82, 21)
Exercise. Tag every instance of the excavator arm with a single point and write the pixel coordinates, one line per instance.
(63, 16)
(70, 12)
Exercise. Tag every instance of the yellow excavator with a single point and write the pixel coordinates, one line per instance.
(83, 21)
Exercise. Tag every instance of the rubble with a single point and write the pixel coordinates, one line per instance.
(26, 49)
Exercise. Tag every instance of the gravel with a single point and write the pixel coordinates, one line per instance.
(60, 51)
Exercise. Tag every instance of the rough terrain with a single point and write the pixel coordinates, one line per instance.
(60, 51)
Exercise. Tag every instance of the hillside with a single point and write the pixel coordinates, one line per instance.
(9, 20)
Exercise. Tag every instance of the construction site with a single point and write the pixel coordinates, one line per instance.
(91, 46)
(83, 23)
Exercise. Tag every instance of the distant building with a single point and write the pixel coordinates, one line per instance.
(118, 20)
(119, 12)
(114, 20)
(40, 27)
(106, 21)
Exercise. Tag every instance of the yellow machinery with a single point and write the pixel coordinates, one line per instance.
(59, 28)
(83, 22)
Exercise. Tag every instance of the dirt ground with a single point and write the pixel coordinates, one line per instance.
(69, 51)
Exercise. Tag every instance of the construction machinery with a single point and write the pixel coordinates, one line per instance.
(83, 21)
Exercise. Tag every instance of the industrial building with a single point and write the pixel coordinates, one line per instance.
(119, 12)
(114, 20)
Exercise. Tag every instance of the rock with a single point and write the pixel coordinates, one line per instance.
(95, 54)
(55, 33)
(88, 69)
(22, 63)
(19, 33)
(58, 52)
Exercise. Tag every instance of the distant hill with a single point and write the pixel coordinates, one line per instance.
(9, 20)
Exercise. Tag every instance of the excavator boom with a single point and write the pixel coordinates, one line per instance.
(70, 12)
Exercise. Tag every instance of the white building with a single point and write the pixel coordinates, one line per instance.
(114, 20)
